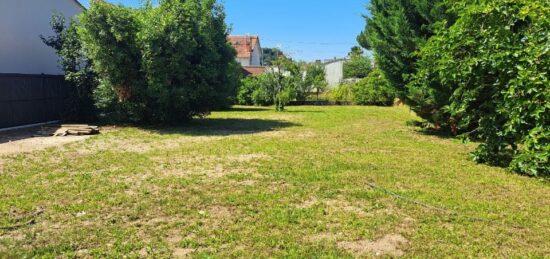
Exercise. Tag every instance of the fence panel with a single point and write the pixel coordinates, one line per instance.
(30, 99)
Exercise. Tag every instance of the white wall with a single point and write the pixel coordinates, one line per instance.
(256, 58)
(334, 72)
(21, 24)
(245, 62)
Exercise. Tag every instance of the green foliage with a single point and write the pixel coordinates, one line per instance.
(109, 37)
(282, 81)
(263, 90)
(285, 81)
(373, 90)
(160, 64)
(359, 66)
(395, 31)
(270, 55)
(246, 90)
(314, 81)
(343, 94)
(77, 68)
(488, 75)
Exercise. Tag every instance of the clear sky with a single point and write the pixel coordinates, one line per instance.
(304, 29)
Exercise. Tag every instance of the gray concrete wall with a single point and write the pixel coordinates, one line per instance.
(21, 24)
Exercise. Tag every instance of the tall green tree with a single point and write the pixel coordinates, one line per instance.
(164, 63)
(487, 75)
(76, 66)
(358, 66)
(270, 55)
(395, 31)
(109, 37)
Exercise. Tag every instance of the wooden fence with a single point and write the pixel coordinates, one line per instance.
(31, 99)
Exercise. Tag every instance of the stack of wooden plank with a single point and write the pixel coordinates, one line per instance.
(76, 129)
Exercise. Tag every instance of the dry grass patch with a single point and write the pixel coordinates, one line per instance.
(389, 245)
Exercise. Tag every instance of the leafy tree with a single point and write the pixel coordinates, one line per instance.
(356, 51)
(313, 81)
(283, 80)
(373, 90)
(160, 64)
(359, 66)
(487, 75)
(270, 55)
(109, 38)
(395, 31)
(246, 90)
(77, 68)
(343, 94)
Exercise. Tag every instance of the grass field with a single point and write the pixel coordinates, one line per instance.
(309, 182)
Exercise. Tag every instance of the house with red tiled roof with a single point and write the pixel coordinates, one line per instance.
(253, 71)
(249, 50)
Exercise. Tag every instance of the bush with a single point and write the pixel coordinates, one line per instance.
(160, 64)
(358, 66)
(246, 90)
(77, 68)
(373, 90)
(487, 75)
(342, 94)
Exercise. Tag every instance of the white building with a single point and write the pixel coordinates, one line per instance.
(334, 70)
(21, 24)
(249, 50)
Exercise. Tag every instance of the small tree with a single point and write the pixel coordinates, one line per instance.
(359, 66)
(76, 66)
(313, 81)
(284, 78)
(373, 90)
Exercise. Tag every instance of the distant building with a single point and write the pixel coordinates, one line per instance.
(334, 70)
(249, 50)
(21, 24)
(253, 71)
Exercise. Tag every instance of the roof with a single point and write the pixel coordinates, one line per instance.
(244, 45)
(330, 61)
(253, 71)
(79, 4)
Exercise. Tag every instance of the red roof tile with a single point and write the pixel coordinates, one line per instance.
(244, 45)
(253, 71)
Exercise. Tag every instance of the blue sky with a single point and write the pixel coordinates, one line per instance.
(304, 29)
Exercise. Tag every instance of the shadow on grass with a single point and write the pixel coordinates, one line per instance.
(303, 111)
(425, 128)
(247, 109)
(225, 127)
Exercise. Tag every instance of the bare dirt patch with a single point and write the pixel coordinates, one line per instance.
(178, 252)
(323, 237)
(36, 143)
(389, 245)
(342, 205)
(249, 157)
(34, 138)
(308, 203)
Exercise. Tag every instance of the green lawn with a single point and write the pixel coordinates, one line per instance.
(255, 183)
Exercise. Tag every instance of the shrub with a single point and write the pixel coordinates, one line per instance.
(246, 90)
(160, 64)
(373, 90)
(342, 94)
(77, 68)
(359, 66)
(487, 75)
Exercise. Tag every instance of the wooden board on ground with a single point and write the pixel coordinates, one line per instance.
(76, 129)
